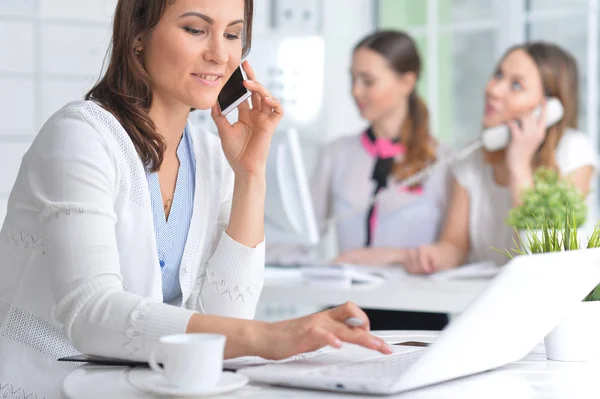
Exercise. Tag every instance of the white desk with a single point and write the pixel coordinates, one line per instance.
(532, 377)
(421, 294)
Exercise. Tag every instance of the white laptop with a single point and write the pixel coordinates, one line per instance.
(522, 304)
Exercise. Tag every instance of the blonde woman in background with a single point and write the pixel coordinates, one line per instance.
(486, 185)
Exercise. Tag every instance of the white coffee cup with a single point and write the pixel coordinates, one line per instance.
(191, 361)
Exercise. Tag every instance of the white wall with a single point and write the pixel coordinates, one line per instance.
(346, 22)
(51, 52)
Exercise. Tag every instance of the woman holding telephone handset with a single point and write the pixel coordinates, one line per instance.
(487, 184)
(127, 223)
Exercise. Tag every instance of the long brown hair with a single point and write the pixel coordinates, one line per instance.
(400, 51)
(560, 79)
(125, 89)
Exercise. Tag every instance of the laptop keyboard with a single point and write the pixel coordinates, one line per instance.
(381, 368)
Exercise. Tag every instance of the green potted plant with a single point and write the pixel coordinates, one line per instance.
(547, 203)
(575, 338)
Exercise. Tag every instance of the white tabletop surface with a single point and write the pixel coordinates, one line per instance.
(532, 377)
(409, 293)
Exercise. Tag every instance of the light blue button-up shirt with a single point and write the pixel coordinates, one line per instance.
(171, 234)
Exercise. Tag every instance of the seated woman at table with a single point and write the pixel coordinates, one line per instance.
(486, 185)
(397, 144)
(126, 223)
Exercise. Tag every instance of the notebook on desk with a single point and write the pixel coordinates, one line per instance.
(105, 361)
(375, 274)
(522, 304)
(110, 361)
(323, 273)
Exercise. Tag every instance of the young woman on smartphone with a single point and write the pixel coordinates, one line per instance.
(486, 185)
(127, 223)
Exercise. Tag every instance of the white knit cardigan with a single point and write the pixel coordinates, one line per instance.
(79, 270)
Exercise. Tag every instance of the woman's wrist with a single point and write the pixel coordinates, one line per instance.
(253, 177)
(252, 338)
(397, 256)
(251, 185)
(246, 222)
(520, 179)
(244, 337)
(451, 255)
(519, 173)
(257, 334)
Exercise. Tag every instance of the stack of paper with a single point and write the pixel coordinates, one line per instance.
(343, 275)
(481, 270)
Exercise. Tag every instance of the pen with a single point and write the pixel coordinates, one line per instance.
(354, 322)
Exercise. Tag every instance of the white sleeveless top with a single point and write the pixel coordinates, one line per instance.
(489, 203)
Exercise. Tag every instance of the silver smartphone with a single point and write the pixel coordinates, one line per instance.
(233, 93)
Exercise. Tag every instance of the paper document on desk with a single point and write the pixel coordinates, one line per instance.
(390, 272)
(341, 276)
(376, 274)
(253, 361)
(480, 270)
(352, 273)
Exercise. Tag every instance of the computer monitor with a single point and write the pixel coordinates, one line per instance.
(289, 213)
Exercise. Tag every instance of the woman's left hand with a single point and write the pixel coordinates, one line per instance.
(246, 143)
(370, 256)
(525, 140)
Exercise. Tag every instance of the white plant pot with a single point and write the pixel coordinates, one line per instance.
(524, 238)
(575, 339)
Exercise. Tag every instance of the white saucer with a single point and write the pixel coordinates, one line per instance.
(151, 382)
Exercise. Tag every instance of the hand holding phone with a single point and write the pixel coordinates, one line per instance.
(496, 138)
(246, 142)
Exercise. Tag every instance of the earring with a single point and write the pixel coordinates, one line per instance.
(138, 50)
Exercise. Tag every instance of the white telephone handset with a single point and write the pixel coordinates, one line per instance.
(497, 137)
